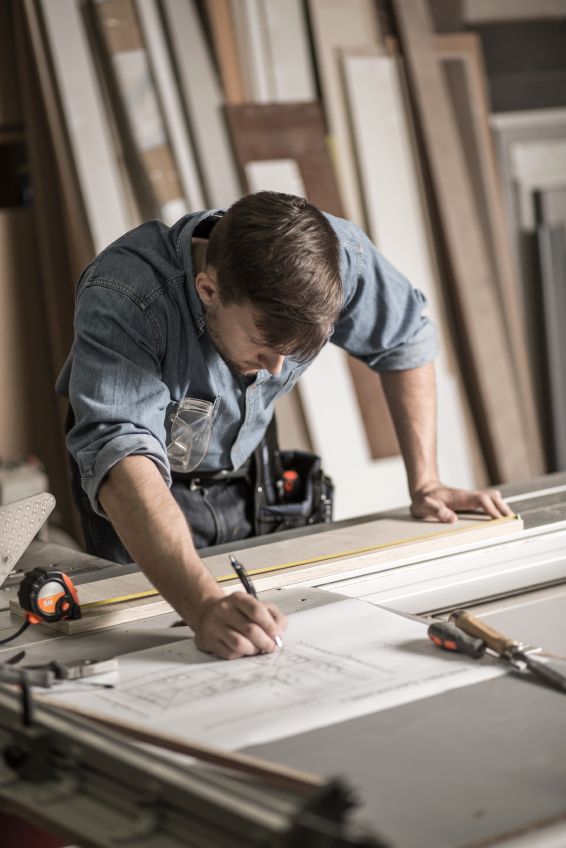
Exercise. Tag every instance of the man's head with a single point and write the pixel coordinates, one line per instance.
(271, 286)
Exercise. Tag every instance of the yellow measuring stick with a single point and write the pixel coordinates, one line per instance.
(148, 593)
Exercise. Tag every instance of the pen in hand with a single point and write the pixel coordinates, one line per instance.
(246, 582)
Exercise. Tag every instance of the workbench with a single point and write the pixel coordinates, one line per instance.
(480, 765)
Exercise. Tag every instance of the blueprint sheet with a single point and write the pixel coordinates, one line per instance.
(338, 662)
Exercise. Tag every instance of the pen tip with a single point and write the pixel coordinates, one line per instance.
(278, 642)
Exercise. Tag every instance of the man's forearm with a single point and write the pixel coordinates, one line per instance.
(411, 397)
(154, 530)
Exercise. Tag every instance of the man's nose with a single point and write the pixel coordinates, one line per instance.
(273, 362)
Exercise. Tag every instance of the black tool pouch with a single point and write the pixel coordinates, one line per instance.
(310, 502)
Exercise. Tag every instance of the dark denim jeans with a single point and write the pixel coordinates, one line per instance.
(216, 513)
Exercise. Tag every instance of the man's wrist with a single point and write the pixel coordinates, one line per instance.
(423, 485)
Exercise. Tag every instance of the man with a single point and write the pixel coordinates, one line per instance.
(229, 309)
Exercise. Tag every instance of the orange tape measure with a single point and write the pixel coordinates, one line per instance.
(48, 596)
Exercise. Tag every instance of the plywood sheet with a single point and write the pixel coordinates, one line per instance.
(491, 375)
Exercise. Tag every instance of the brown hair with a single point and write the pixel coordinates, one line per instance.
(280, 253)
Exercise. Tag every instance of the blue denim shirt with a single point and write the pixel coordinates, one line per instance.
(141, 346)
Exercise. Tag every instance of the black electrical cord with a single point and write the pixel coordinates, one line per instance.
(24, 626)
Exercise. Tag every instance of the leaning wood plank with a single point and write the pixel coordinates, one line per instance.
(552, 258)
(123, 43)
(392, 190)
(202, 97)
(296, 133)
(292, 69)
(496, 400)
(166, 84)
(87, 125)
(271, 772)
(465, 74)
(336, 25)
(226, 50)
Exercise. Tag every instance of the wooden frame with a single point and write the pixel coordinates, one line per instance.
(490, 376)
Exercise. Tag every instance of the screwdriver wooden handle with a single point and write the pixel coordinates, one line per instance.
(476, 627)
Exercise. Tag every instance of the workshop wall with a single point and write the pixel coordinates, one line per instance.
(439, 127)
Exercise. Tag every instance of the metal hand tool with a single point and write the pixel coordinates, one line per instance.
(517, 654)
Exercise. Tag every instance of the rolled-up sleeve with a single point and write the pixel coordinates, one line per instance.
(115, 388)
(383, 321)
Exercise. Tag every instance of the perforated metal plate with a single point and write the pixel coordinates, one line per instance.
(19, 522)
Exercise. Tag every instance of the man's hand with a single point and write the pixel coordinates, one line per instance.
(238, 625)
(435, 502)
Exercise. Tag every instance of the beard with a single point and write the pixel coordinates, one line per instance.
(240, 369)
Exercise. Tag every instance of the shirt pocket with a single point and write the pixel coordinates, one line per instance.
(190, 431)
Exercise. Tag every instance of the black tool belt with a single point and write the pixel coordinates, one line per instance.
(200, 479)
(291, 489)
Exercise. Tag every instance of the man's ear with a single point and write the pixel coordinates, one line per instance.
(207, 286)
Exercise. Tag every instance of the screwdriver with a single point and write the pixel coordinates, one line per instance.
(447, 636)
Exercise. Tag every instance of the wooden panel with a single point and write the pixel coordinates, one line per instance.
(526, 63)
(287, 131)
(552, 257)
(296, 131)
(273, 51)
(394, 204)
(337, 25)
(125, 47)
(202, 98)
(465, 78)
(10, 106)
(226, 50)
(87, 126)
(166, 83)
(484, 11)
(482, 330)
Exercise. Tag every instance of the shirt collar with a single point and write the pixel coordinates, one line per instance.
(183, 245)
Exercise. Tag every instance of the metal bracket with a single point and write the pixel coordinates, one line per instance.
(19, 523)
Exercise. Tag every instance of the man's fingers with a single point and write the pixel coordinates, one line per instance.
(503, 508)
(278, 617)
(433, 509)
(259, 613)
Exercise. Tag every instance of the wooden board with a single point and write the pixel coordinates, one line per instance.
(465, 76)
(202, 98)
(166, 84)
(289, 141)
(393, 198)
(490, 375)
(361, 549)
(338, 25)
(526, 63)
(552, 257)
(226, 50)
(86, 122)
(129, 69)
(273, 51)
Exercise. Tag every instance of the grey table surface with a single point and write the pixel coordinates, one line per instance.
(457, 769)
